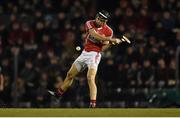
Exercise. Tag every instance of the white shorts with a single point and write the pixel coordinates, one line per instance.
(87, 59)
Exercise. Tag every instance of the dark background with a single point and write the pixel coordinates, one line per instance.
(37, 47)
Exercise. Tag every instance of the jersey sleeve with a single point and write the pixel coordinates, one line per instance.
(109, 32)
(88, 25)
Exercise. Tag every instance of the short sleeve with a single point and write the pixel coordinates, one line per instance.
(109, 32)
(88, 25)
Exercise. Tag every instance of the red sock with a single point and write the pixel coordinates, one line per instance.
(59, 92)
(92, 103)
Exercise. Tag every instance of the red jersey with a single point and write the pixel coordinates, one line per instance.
(91, 43)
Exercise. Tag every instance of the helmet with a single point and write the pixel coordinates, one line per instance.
(103, 14)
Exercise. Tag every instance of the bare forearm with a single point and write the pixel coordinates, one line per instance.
(105, 47)
(100, 37)
(97, 36)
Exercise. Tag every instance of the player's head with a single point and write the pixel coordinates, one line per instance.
(102, 17)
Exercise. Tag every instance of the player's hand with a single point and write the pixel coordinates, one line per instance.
(105, 42)
(115, 41)
(118, 41)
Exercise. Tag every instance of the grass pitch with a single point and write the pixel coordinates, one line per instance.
(98, 112)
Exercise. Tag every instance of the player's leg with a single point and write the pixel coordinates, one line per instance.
(69, 77)
(93, 63)
(91, 75)
(76, 67)
(67, 82)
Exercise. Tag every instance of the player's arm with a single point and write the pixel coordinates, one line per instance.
(91, 31)
(107, 44)
(100, 37)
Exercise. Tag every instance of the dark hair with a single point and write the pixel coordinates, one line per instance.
(104, 14)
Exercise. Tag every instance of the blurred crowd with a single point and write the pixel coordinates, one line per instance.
(37, 47)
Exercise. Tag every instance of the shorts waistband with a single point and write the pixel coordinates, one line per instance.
(91, 51)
